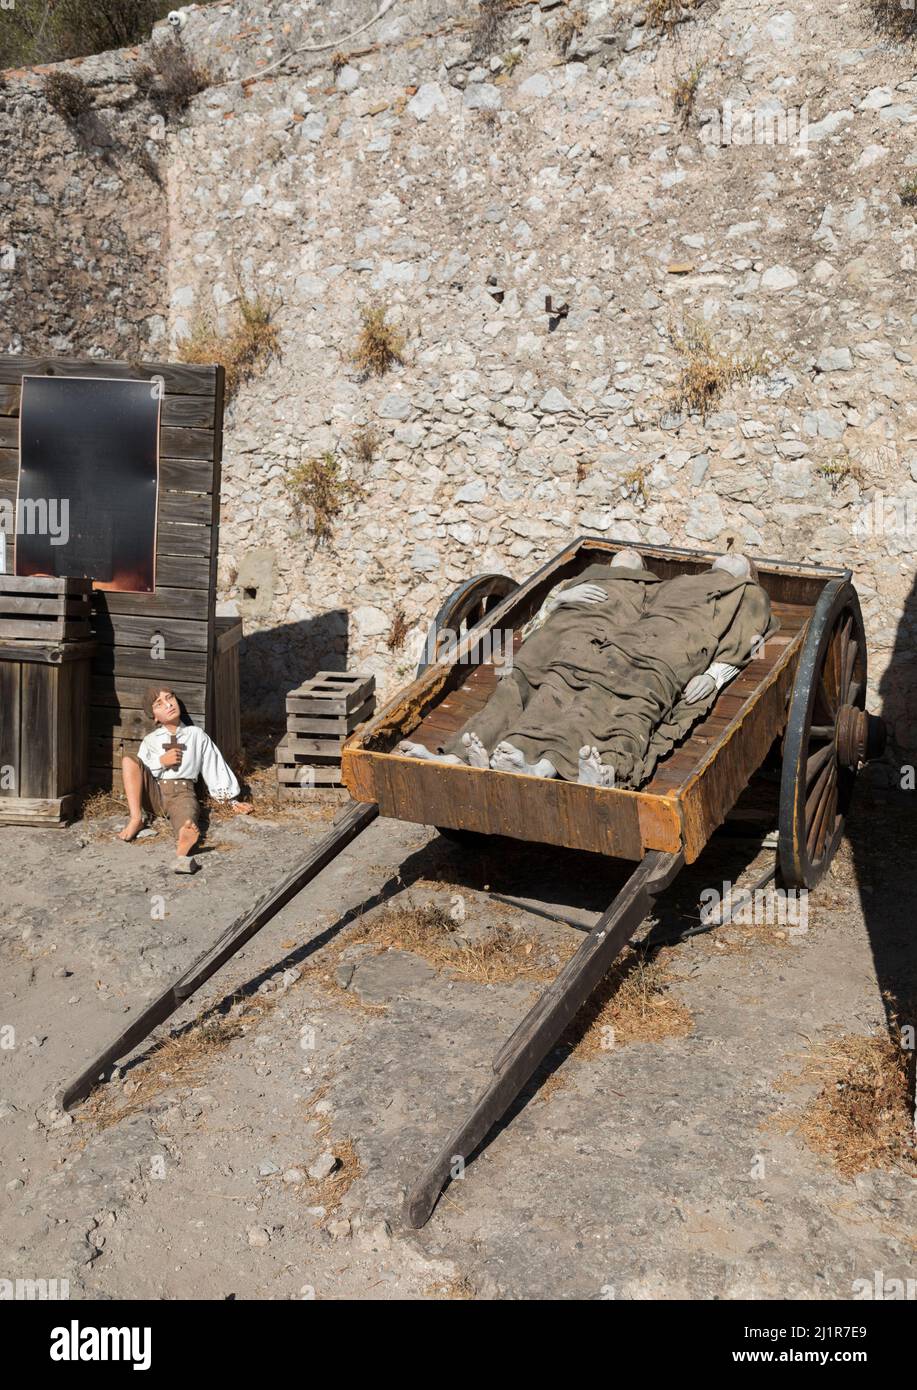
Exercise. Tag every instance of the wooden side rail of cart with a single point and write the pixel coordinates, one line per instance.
(807, 687)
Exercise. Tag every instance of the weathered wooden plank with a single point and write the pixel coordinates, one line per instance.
(606, 821)
(182, 571)
(186, 475)
(62, 586)
(127, 693)
(38, 607)
(185, 508)
(38, 740)
(135, 630)
(719, 780)
(166, 602)
(60, 629)
(189, 411)
(138, 662)
(48, 812)
(330, 725)
(175, 539)
(228, 630)
(117, 722)
(179, 378)
(10, 713)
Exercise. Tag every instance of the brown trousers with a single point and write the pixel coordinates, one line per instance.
(174, 798)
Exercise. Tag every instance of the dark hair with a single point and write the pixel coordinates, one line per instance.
(151, 695)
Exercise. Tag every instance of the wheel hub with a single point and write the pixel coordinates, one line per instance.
(859, 736)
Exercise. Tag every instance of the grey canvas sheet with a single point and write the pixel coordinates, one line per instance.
(614, 678)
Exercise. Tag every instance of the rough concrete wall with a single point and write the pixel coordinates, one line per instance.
(82, 225)
(462, 193)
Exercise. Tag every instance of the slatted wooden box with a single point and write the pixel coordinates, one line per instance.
(44, 720)
(321, 714)
(49, 610)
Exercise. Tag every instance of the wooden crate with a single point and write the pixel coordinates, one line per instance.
(321, 714)
(38, 609)
(44, 730)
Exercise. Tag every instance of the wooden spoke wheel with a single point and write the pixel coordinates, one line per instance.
(828, 735)
(463, 610)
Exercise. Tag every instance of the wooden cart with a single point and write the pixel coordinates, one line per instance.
(805, 692)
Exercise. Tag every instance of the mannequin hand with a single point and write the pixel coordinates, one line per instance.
(582, 593)
(698, 687)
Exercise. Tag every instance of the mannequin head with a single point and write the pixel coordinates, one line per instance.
(737, 565)
(628, 559)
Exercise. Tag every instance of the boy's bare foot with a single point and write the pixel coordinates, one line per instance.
(242, 808)
(132, 829)
(188, 837)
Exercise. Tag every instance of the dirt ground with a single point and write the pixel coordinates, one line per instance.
(653, 1164)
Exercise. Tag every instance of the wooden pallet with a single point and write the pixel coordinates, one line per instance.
(38, 609)
(321, 714)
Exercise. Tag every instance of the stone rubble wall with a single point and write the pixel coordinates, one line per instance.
(83, 228)
(462, 192)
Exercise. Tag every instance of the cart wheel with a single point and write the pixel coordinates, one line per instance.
(828, 735)
(463, 610)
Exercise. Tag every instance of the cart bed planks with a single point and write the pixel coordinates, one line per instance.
(691, 791)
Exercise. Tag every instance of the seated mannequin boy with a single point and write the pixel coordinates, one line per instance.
(169, 761)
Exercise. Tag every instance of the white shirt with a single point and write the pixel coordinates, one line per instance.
(200, 758)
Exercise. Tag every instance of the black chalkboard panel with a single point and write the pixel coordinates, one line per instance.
(88, 480)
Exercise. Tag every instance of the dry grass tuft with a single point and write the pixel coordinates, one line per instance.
(633, 485)
(176, 1062)
(488, 28)
(632, 1005)
(458, 1287)
(365, 445)
(504, 953)
(838, 470)
(707, 372)
(397, 632)
(666, 15)
(68, 95)
(863, 1114)
(380, 344)
(316, 483)
(99, 804)
(243, 350)
(894, 19)
(172, 78)
(570, 25)
(684, 94)
(908, 190)
(331, 1191)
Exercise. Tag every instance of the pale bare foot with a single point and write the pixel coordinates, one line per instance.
(418, 750)
(590, 769)
(242, 808)
(506, 758)
(188, 837)
(132, 829)
(478, 755)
